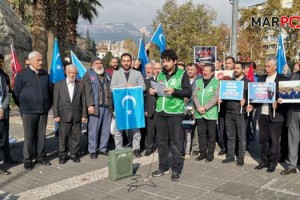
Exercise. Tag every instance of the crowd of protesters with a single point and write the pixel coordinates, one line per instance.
(189, 120)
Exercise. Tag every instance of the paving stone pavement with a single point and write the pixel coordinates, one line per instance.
(88, 180)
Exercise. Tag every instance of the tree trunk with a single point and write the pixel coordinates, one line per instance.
(51, 36)
(61, 27)
(71, 33)
(39, 30)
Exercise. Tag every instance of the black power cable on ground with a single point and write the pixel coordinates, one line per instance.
(135, 185)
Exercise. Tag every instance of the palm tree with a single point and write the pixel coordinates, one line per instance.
(39, 29)
(84, 8)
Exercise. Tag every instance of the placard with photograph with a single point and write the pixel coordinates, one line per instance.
(261, 92)
(289, 91)
(224, 75)
(206, 54)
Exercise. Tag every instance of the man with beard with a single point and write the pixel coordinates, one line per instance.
(114, 66)
(98, 85)
(235, 120)
(69, 109)
(169, 113)
(127, 77)
(205, 97)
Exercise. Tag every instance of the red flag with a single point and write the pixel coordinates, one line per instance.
(250, 75)
(15, 65)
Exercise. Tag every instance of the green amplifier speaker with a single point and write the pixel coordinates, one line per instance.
(120, 163)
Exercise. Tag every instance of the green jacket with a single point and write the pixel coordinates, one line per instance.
(205, 95)
(170, 104)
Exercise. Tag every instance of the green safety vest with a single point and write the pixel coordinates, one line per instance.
(171, 104)
(204, 96)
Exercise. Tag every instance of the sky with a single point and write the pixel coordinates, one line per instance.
(142, 12)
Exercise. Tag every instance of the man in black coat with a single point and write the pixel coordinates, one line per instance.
(69, 109)
(4, 118)
(270, 125)
(32, 93)
(149, 111)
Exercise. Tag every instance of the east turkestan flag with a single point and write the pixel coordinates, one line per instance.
(129, 107)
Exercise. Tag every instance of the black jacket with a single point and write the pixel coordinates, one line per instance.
(149, 99)
(32, 92)
(234, 106)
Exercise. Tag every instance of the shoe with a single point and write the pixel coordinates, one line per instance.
(137, 153)
(195, 153)
(228, 160)
(4, 172)
(148, 152)
(75, 158)
(186, 156)
(93, 156)
(160, 172)
(104, 153)
(221, 153)
(201, 157)
(282, 160)
(63, 159)
(28, 165)
(260, 166)
(271, 168)
(175, 176)
(209, 158)
(240, 163)
(289, 171)
(11, 161)
(43, 162)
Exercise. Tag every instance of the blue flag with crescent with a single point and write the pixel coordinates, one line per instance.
(80, 68)
(129, 107)
(281, 59)
(57, 69)
(142, 55)
(158, 38)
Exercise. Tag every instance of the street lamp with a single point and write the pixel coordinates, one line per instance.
(233, 45)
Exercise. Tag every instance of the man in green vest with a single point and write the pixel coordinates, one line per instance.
(169, 112)
(205, 97)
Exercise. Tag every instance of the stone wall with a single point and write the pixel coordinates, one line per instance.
(12, 31)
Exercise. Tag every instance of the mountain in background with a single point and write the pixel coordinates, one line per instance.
(114, 31)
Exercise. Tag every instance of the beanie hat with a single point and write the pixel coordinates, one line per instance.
(94, 59)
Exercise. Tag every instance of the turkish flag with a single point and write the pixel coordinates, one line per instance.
(250, 75)
(15, 65)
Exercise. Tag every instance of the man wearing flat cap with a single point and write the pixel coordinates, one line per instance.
(97, 86)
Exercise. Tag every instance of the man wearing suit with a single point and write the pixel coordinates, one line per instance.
(270, 125)
(32, 93)
(69, 109)
(149, 111)
(126, 77)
